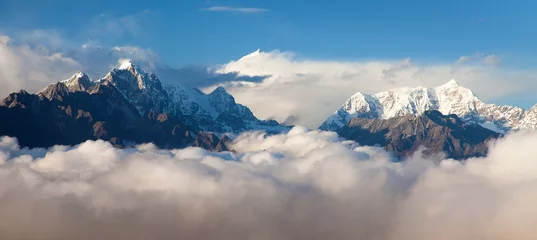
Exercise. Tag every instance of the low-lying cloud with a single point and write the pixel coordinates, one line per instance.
(300, 185)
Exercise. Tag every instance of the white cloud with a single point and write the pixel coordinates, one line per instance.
(27, 64)
(25, 67)
(4, 39)
(235, 9)
(111, 28)
(310, 90)
(304, 184)
(47, 38)
(464, 59)
(492, 60)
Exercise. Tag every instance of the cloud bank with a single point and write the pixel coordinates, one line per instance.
(301, 185)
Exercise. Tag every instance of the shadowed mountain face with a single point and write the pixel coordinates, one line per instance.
(126, 106)
(214, 112)
(59, 115)
(211, 142)
(436, 132)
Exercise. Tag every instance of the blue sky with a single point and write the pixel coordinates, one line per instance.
(185, 32)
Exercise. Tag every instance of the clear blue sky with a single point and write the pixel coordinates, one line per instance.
(185, 31)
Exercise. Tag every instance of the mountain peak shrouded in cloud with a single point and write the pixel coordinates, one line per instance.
(253, 54)
(450, 84)
(125, 64)
(78, 82)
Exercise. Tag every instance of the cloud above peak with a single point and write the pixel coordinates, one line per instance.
(236, 9)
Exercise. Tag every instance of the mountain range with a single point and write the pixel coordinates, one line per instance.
(129, 105)
(450, 98)
(213, 112)
(435, 132)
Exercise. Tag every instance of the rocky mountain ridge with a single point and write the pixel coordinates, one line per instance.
(436, 132)
(215, 112)
(73, 111)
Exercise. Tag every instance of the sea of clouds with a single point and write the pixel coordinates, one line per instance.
(300, 185)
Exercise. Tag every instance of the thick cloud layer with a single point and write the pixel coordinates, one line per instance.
(302, 185)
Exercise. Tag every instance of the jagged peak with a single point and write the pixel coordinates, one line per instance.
(78, 82)
(23, 92)
(57, 90)
(130, 72)
(360, 95)
(219, 90)
(77, 76)
(533, 108)
(453, 86)
(126, 64)
(253, 54)
(80, 75)
(450, 84)
(130, 66)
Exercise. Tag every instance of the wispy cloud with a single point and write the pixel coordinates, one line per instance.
(478, 21)
(491, 60)
(236, 10)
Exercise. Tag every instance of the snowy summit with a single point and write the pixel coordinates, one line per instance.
(450, 98)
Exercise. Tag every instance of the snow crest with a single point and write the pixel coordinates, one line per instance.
(449, 98)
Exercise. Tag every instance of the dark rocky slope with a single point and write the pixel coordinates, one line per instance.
(60, 115)
(436, 132)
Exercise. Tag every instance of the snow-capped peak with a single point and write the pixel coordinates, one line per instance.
(78, 82)
(78, 75)
(449, 98)
(256, 52)
(219, 90)
(81, 75)
(253, 54)
(450, 84)
(126, 64)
